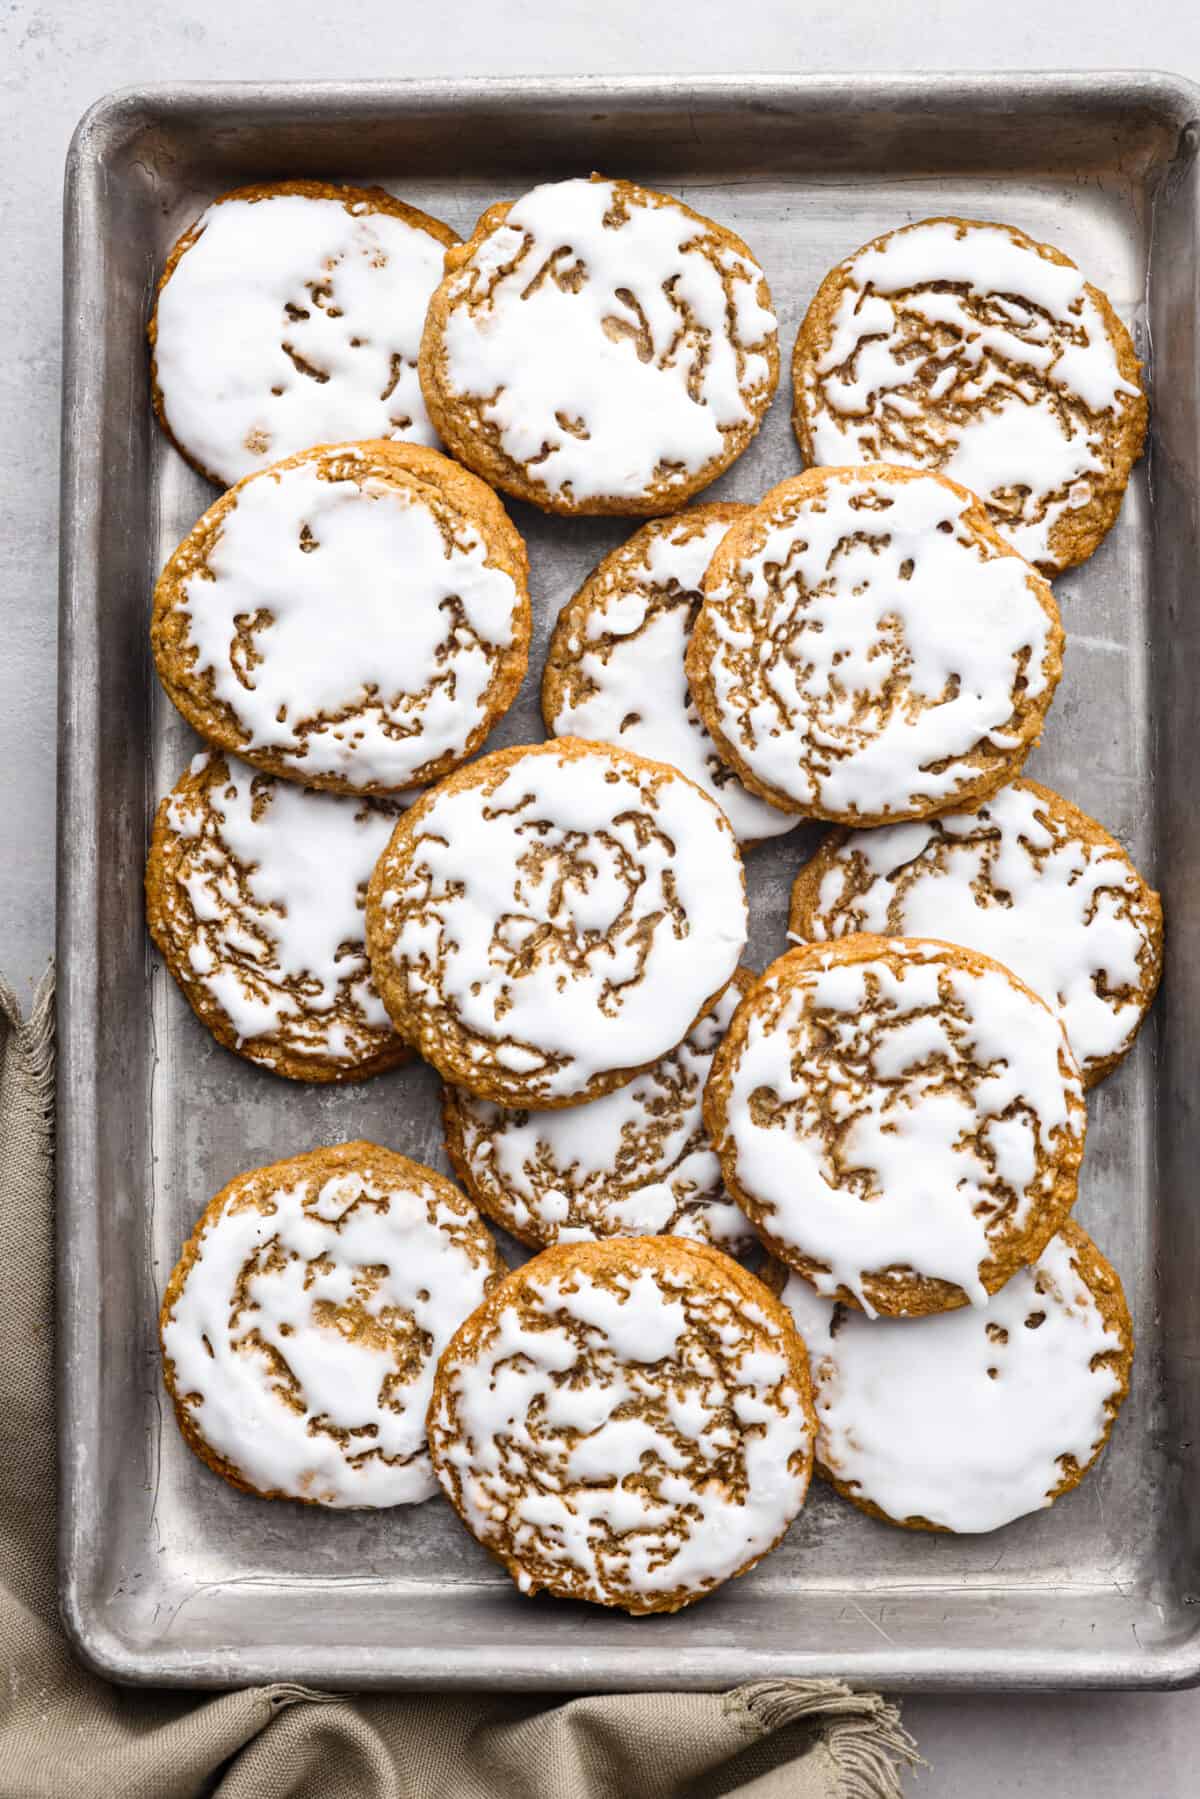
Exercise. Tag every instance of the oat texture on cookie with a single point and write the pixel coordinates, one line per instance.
(966, 1421)
(636, 1162)
(1026, 878)
(971, 349)
(553, 918)
(869, 649)
(289, 315)
(302, 1326)
(355, 618)
(598, 347)
(255, 895)
(626, 1422)
(902, 1120)
(615, 667)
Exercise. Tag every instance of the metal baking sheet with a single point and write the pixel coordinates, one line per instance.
(167, 1574)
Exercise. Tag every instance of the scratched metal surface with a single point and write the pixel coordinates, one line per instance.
(167, 1574)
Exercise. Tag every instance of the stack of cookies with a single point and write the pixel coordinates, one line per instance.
(819, 1216)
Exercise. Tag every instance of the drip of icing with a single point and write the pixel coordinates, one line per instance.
(628, 880)
(962, 1419)
(594, 1416)
(308, 858)
(633, 1163)
(1033, 365)
(325, 1336)
(292, 322)
(369, 610)
(638, 694)
(864, 584)
(924, 1164)
(607, 344)
(1015, 882)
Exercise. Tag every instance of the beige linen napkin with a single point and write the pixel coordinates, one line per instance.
(65, 1734)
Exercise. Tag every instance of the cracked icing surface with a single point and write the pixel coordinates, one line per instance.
(290, 314)
(255, 892)
(627, 1422)
(1027, 879)
(554, 917)
(302, 1325)
(636, 1162)
(903, 1121)
(869, 649)
(970, 349)
(969, 1420)
(355, 618)
(614, 670)
(597, 347)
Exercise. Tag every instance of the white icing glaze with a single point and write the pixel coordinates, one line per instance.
(1013, 881)
(363, 604)
(635, 1393)
(629, 882)
(326, 1258)
(639, 695)
(945, 1089)
(813, 626)
(556, 1165)
(910, 1415)
(602, 351)
(358, 285)
(870, 396)
(275, 955)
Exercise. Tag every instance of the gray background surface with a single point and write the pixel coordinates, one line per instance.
(55, 59)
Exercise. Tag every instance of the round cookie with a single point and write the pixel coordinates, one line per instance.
(902, 1121)
(356, 618)
(554, 918)
(597, 347)
(969, 348)
(870, 650)
(628, 1422)
(635, 1163)
(967, 1421)
(614, 669)
(303, 1322)
(1028, 879)
(254, 895)
(289, 315)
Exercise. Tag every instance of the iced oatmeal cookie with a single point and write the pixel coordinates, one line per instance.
(302, 1325)
(966, 1421)
(255, 892)
(553, 918)
(635, 1163)
(614, 670)
(870, 650)
(902, 1120)
(289, 315)
(598, 347)
(627, 1422)
(356, 618)
(971, 349)
(1028, 879)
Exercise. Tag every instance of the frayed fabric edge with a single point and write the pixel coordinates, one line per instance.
(862, 1732)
